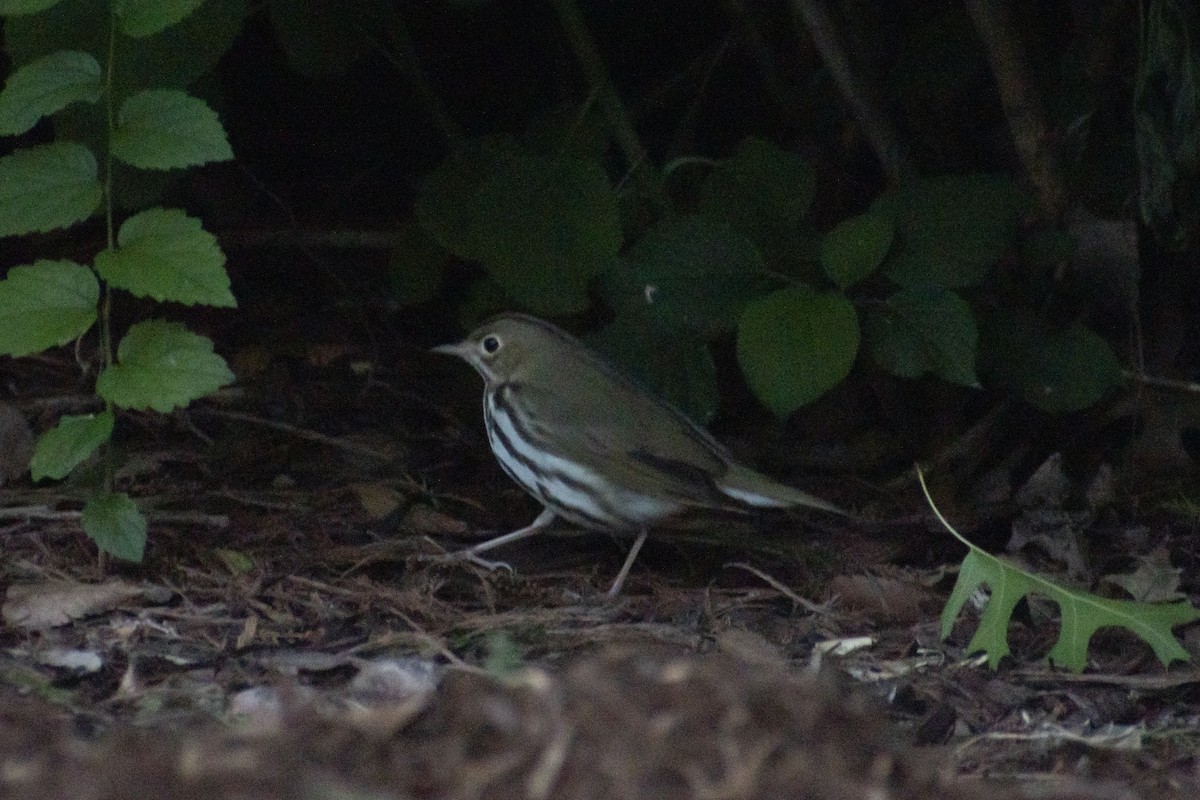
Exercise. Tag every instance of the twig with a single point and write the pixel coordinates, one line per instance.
(181, 517)
(863, 106)
(299, 433)
(615, 113)
(774, 583)
(1022, 102)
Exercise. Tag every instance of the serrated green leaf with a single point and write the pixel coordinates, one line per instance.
(922, 330)
(138, 18)
(672, 363)
(795, 344)
(47, 85)
(691, 272)
(542, 227)
(167, 255)
(175, 58)
(115, 524)
(46, 304)
(12, 8)
(168, 129)
(1074, 369)
(162, 365)
(46, 187)
(950, 230)
(65, 446)
(855, 248)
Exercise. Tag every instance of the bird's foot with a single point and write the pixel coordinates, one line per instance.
(469, 556)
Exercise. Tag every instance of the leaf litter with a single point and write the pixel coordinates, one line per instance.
(302, 647)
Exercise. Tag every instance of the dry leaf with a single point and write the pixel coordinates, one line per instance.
(377, 499)
(1154, 580)
(55, 603)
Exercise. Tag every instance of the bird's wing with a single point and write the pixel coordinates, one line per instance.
(639, 443)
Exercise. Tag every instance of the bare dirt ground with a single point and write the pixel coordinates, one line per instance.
(285, 636)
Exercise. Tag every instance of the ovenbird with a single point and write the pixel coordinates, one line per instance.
(593, 446)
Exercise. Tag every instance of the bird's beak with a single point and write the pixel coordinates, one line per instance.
(459, 349)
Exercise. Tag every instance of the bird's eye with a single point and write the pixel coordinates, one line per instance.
(490, 344)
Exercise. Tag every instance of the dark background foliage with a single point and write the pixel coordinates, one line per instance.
(914, 219)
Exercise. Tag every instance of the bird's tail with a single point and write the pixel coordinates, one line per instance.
(755, 489)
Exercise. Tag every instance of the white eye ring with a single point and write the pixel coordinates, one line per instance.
(490, 344)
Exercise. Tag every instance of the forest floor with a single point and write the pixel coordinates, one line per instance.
(287, 634)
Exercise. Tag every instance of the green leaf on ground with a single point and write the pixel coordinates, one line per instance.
(1082, 613)
(162, 365)
(47, 85)
(855, 248)
(795, 344)
(46, 187)
(115, 524)
(167, 255)
(46, 304)
(168, 129)
(65, 446)
(925, 330)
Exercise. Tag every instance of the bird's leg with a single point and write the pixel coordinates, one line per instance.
(619, 581)
(471, 554)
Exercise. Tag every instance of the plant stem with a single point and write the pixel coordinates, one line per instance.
(584, 47)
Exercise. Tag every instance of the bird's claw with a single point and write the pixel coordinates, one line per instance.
(469, 557)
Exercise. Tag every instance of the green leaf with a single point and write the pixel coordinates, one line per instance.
(321, 39)
(138, 18)
(167, 255)
(670, 362)
(46, 187)
(416, 266)
(795, 344)
(692, 272)
(922, 330)
(1082, 614)
(115, 524)
(1075, 369)
(162, 365)
(173, 59)
(855, 248)
(47, 85)
(12, 8)
(65, 446)
(542, 227)
(442, 202)
(951, 230)
(764, 192)
(168, 129)
(46, 304)
(761, 181)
